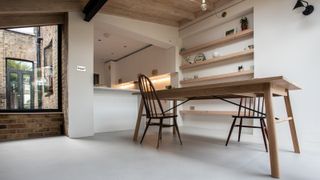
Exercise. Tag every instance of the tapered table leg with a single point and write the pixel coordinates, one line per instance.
(136, 130)
(273, 147)
(294, 136)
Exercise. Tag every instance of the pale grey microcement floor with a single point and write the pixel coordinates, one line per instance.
(113, 156)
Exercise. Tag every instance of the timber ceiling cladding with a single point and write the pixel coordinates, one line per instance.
(169, 12)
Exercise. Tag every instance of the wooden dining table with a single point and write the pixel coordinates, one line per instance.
(267, 87)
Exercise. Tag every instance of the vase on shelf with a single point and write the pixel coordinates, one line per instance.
(244, 23)
(216, 54)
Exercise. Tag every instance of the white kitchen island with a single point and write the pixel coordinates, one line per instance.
(114, 109)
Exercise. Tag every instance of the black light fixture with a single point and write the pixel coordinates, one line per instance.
(308, 8)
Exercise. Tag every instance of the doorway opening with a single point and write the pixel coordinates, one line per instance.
(19, 83)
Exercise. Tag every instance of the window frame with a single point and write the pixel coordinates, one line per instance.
(7, 74)
(45, 61)
(59, 109)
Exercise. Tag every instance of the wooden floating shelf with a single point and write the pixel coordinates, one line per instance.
(218, 77)
(208, 113)
(223, 113)
(284, 120)
(228, 57)
(227, 39)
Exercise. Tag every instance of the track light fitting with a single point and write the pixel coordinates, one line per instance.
(204, 5)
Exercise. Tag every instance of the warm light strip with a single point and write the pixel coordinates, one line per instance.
(163, 78)
(127, 85)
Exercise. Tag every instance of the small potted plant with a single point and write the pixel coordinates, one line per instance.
(244, 23)
(182, 49)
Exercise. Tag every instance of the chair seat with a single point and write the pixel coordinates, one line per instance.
(161, 116)
(163, 125)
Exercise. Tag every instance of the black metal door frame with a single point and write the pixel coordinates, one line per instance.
(20, 74)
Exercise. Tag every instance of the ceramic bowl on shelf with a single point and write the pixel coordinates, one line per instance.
(199, 57)
(216, 54)
(189, 60)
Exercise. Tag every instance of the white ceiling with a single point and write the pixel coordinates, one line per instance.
(109, 45)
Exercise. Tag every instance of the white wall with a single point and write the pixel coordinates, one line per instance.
(80, 84)
(114, 110)
(218, 32)
(157, 34)
(287, 43)
(164, 38)
(163, 59)
(207, 30)
(144, 62)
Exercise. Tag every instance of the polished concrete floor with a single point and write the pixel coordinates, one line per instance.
(113, 156)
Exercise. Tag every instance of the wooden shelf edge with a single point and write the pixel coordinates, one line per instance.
(201, 112)
(218, 59)
(217, 42)
(217, 77)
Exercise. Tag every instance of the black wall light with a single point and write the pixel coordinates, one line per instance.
(308, 8)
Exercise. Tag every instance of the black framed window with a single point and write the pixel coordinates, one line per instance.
(30, 69)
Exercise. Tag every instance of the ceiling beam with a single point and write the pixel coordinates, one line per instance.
(38, 6)
(92, 8)
(25, 20)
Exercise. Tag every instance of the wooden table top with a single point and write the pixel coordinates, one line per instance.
(277, 81)
(202, 91)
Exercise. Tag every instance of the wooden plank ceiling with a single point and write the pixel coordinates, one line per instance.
(169, 12)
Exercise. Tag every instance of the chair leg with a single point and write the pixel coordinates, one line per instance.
(160, 132)
(263, 134)
(177, 129)
(145, 130)
(240, 129)
(230, 131)
(265, 129)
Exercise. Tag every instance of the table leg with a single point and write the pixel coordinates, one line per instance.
(273, 149)
(174, 113)
(292, 124)
(136, 130)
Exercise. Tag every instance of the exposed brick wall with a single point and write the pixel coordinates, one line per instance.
(49, 34)
(14, 45)
(25, 126)
(23, 46)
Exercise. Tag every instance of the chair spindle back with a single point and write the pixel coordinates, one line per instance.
(251, 106)
(150, 99)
